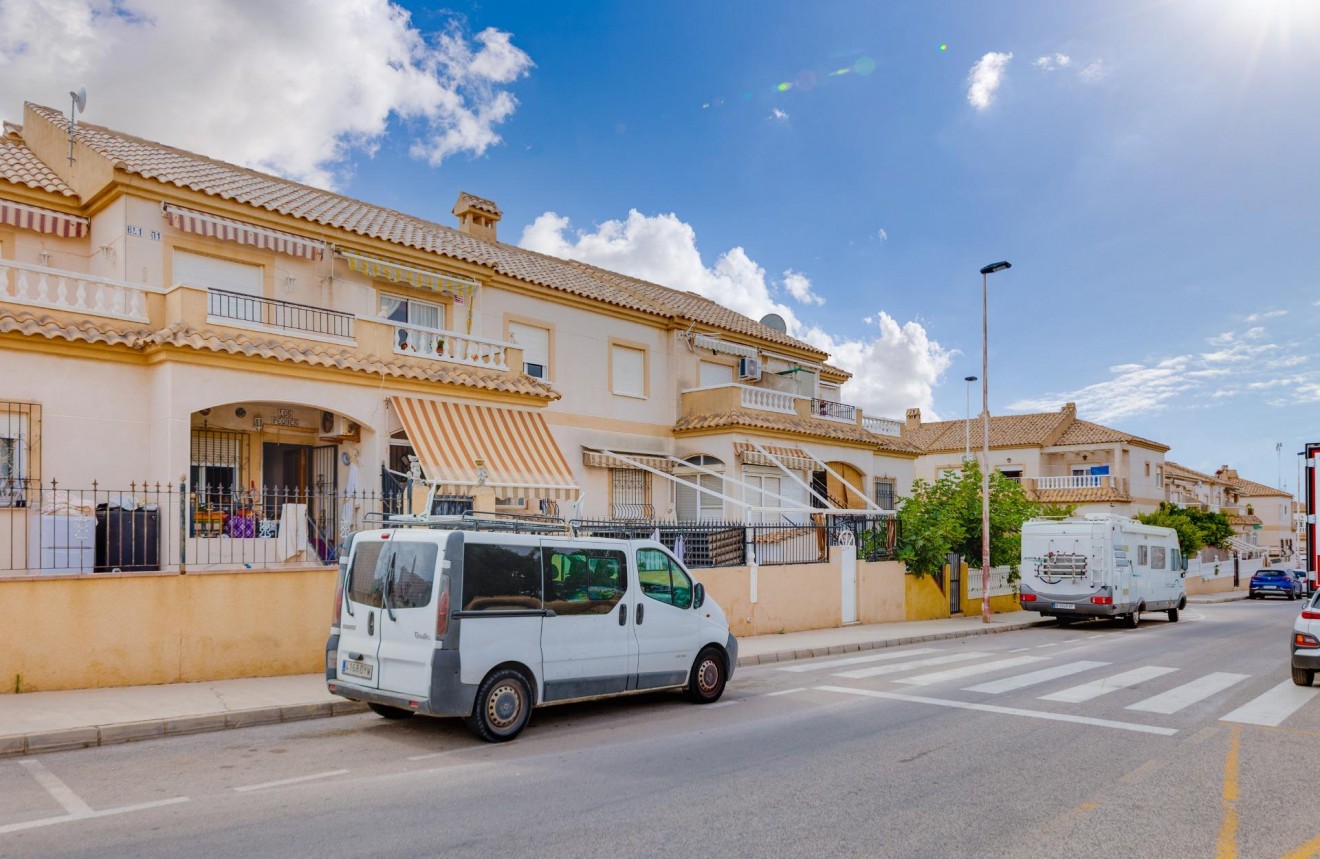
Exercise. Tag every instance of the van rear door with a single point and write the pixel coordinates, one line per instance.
(359, 622)
(408, 613)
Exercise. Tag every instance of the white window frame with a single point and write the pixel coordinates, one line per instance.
(709, 508)
(408, 304)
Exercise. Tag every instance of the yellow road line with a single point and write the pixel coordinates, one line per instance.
(1226, 847)
(1310, 848)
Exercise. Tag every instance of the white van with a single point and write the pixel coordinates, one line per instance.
(488, 624)
(1101, 566)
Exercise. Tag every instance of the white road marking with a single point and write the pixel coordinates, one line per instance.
(721, 704)
(69, 818)
(1188, 693)
(285, 781)
(1006, 711)
(1019, 649)
(878, 670)
(1008, 684)
(1051, 644)
(60, 791)
(969, 671)
(1096, 688)
(1071, 640)
(1271, 708)
(856, 660)
(785, 692)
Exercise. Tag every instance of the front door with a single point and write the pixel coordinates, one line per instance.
(407, 621)
(359, 623)
(665, 623)
(587, 642)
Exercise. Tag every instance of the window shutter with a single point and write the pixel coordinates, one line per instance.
(629, 367)
(535, 343)
(212, 273)
(712, 374)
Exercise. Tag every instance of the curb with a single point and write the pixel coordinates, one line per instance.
(150, 729)
(854, 647)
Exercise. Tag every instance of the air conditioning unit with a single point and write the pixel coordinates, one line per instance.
(342, 429)
(749, 368)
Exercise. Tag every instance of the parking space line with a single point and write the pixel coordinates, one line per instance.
(58, 790)
(785, 692)
(857, 660)
(722, 704)
(70, 818)
(294, 780)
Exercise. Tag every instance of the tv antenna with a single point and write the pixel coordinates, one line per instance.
(79, 104)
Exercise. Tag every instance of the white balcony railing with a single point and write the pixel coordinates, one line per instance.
(767, 400)
(444, 345)
(1077, 481)
(882, 426)
(38, 286)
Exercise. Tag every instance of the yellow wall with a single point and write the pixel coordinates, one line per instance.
(924, 599)
(1212, 584)
(881, 592)
(76, 632)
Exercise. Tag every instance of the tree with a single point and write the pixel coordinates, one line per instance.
(1196, 528)
(945, 516)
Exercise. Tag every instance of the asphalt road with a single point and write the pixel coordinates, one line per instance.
(1183, 739)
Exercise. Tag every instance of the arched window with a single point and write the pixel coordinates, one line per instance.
(692, 505)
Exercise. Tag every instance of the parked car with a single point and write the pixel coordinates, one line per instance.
(1274, 582)
(1300, 575)
(1306, 643)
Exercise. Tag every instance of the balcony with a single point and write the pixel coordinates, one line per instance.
(269, 313)
(882, 426)
(441, 345)
(82, 294)
(832, 411)
(1079, 487)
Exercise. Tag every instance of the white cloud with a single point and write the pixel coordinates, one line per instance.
(985, 77)
(776, 113)
(1096, 71)
(1270, 314)
(1050, 62)
(1254, 333)
(799, 286)
(882, 235)
(295, 87)
(891, 373)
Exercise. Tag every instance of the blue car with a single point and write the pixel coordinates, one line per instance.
(1275, 582)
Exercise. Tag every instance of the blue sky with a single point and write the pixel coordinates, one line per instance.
(1148, 167)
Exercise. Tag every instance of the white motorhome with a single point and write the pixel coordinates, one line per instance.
(1097, 566)
(487, 624)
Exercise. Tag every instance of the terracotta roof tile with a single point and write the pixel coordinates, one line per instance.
(1085, 432)
(1236, 519)
(230, 182)
(1005, 431)
(1175, 471)
(792, 424)
(1253, 489)
(1081, 495)
(481, 203)
(144, 339)
(20, 165)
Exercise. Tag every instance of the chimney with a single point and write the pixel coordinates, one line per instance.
(1070, 409)
(913, 419)
(477, 216)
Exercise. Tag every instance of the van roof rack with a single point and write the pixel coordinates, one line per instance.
(472, 520)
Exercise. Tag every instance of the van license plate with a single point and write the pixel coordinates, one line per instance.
(356, 669)
(1064, 605)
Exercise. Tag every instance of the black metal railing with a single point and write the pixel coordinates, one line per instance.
(876, 537)
(831, 409)
(272, 313)
(697, 544)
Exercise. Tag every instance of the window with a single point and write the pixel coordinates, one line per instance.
(630, 494)
(17, 462)
(584, 581)
(1148, 469)
(501, 577)
(1142, 556)
(692, 505)
(711, 375)
(420, 314)
(410, 571)
(1012, 473)
(662, 579)
(1157, 554)
(364, 585)
(884, 493)
(535, 343)
(1159, 475)
(628, 371)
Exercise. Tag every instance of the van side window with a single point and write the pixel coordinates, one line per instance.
(662, 579)
(1157, 557)
(501, 577)
(363, 585)
(583, 581)
(410, 568)
(1142, 556)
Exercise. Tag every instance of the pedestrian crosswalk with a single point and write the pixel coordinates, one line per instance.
(931, 667)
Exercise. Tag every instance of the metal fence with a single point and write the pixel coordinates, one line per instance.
(274, 313)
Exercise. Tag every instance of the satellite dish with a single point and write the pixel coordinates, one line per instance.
(775, 321)
(79, 98)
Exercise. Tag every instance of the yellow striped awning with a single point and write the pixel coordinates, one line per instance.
(461, 288)
(793, 457)
(463, 446)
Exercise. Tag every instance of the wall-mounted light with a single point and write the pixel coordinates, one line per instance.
(257, 423)
(107, 251)
(44, 256)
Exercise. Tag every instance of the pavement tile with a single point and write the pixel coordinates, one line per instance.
(298, 712)
(255, 716)
(58, 741)
(13, 744)
(195, 724)
(126, 732)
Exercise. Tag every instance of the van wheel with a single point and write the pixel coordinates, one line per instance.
(389, 712)
(1133, 619)
(502, 708)
(1303, 676)
(1173, 615)
(708, 677)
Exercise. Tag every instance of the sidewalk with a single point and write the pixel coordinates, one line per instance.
(36, 722)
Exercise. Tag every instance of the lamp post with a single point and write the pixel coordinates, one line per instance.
(986, 271)
(967, 451)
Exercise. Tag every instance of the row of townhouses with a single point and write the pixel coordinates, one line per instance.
(221, 368)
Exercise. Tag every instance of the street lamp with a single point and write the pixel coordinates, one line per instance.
(967, 451)
(985, 432)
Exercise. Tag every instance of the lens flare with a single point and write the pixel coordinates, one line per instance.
(864, 65)
(784, 87)
(943, 47)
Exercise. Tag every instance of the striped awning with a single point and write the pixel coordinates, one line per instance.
(460, 288)
(463, 446)
(794, 457)
(597, 459)
(227, 229)
(26, 217)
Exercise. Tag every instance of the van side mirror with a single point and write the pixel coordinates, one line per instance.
(698, 595)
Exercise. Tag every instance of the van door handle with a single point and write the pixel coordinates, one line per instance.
(371, 623)
(623, 615)
(641, 613)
